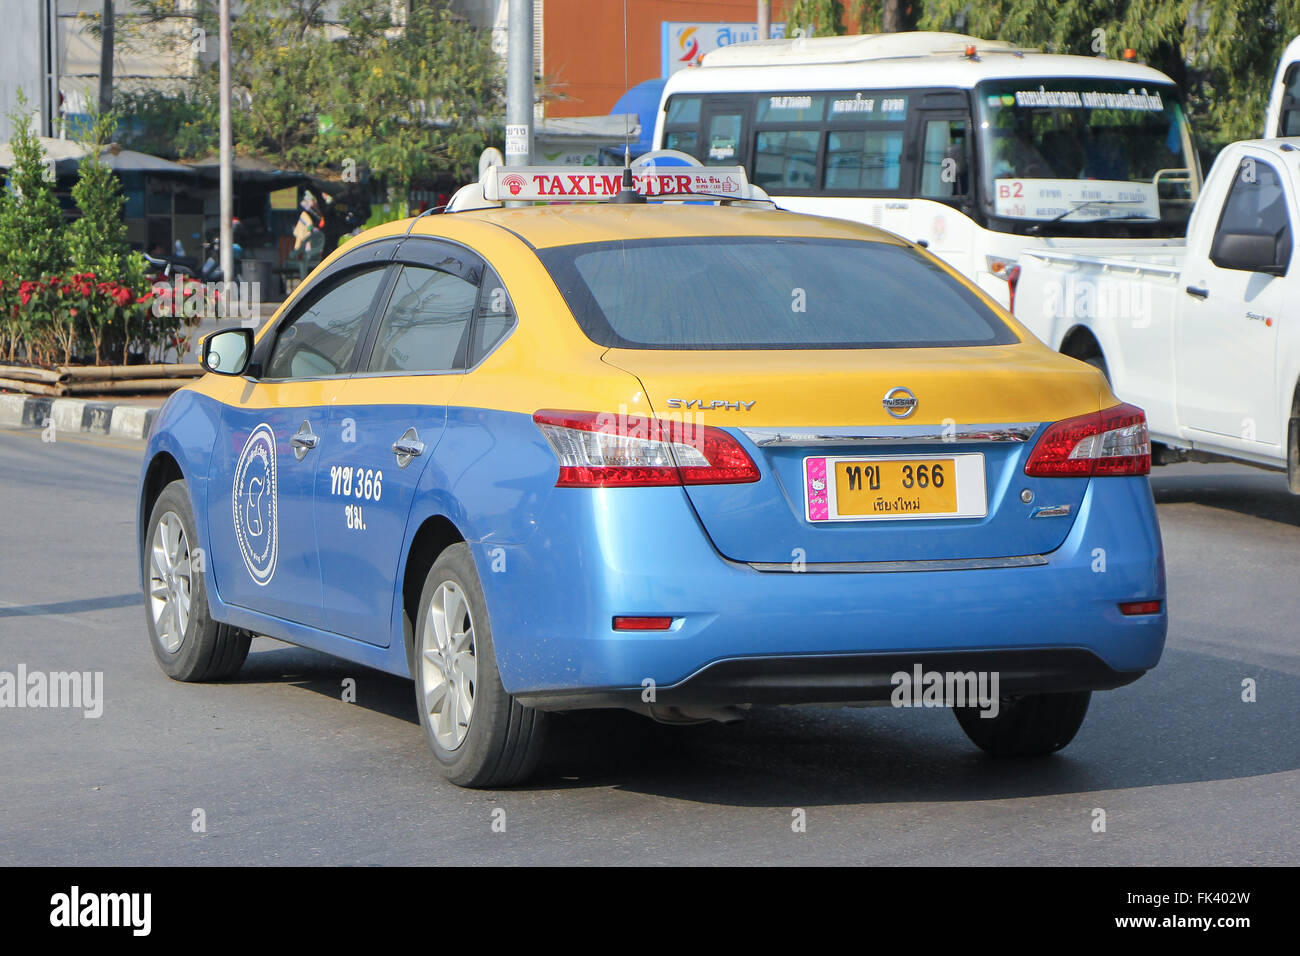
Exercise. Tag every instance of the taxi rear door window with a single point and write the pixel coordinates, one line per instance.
(425, 326)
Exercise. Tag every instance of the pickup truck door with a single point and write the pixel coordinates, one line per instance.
(1226, 361)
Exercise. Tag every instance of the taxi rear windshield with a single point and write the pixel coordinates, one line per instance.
(767, 293)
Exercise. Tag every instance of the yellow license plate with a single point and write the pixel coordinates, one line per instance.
(920, 486)
(852, 488)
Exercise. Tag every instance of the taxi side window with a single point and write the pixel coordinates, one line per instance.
(426, 324)
(494, 317)
(322, 336)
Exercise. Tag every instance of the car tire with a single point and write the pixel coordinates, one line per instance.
(1029, 726)
(479, 734)
(188, 644)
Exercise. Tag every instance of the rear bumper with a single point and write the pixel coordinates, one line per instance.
(852, 678)
(743, 635)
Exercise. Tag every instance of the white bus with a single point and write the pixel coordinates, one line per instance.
(979, 149)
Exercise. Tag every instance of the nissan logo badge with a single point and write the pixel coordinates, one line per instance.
(899, 401)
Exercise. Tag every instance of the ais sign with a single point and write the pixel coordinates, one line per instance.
(682, 44)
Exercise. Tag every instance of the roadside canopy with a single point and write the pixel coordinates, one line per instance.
(248, 171)
(67, 155)
(581, 140)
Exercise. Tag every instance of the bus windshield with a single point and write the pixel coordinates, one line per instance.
(1084, 156)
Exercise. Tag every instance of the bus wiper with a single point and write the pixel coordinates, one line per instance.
(1038, 227)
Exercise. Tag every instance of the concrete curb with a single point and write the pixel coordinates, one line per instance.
(117, 419)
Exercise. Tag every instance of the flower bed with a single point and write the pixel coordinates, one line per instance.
(59, 319)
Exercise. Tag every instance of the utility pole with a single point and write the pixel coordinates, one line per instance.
(51, 116)
(227, 158)
(891, 16)
(519, 84)
(764, 19)
(106, 58)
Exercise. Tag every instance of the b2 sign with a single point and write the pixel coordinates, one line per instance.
(1093, 198)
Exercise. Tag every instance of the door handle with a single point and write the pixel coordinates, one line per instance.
(303, 441)
(1198, 292)
(408, 447)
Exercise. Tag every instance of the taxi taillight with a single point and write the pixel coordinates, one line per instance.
(602, 450)
(641, 623)
(1113, 441)
(1136, 608)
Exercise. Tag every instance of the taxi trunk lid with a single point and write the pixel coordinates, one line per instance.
(977, 413)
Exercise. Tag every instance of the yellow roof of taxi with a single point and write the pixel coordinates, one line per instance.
(563, 225)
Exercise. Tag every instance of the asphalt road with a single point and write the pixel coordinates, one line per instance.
(286, 772)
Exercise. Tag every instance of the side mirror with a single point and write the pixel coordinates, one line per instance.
(1255, 251)
(227, 352)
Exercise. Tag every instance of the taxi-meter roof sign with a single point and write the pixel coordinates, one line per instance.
(579, 183)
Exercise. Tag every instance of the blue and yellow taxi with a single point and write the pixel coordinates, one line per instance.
(678, 457)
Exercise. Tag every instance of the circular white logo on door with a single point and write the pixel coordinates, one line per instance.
(256, 505)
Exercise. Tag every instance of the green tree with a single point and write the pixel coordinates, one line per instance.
(31, 228)
(422, 104)
(177, 123)
(97, 240)
(405, 100)
(815, 18)
(1223, 53)
(97, 243)
(836, 17)
(31, 222)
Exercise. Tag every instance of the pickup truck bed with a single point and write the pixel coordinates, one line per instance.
(1204, 335)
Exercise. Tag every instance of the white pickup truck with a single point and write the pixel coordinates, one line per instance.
(1205, 336)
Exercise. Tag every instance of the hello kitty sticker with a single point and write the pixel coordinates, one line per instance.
(817, 495)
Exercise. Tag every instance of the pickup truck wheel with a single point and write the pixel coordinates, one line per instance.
(1028, 726)
(1293, 456)
(188, 644)
(479, 734)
